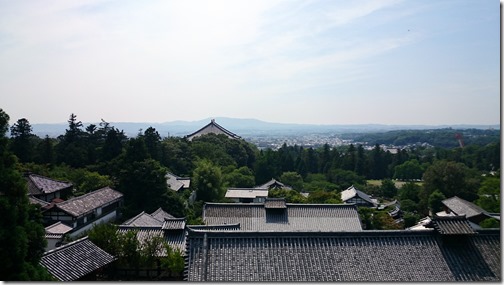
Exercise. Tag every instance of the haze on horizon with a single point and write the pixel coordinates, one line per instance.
(396, 62)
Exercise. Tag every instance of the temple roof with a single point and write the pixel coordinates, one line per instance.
(38, 185)
(460, 207)
(87, 203)
(296, 217)
(75, 260)
(452, 225)
(352, 192)
(364, 256)
(273, 183)
(213, 128)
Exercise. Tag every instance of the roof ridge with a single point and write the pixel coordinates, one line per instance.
(65, 245)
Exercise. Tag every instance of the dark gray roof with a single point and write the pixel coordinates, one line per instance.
(37, 201)
(273, 183)
(230, 227)
(214, 128)
(75, 260)
(143, 219)
(376, 256)
(38, 185)
(87, 203)
(462, 207)
(161, 214)
(297, 217)
(174, 224)
(275, 203)
(452, 225)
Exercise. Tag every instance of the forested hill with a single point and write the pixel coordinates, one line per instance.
(446, 138)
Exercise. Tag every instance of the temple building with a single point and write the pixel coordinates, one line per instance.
(212, 128)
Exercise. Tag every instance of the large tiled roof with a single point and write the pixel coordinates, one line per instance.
(462, 207)
(87, 203)
(213, 128)
(375, 256)
(246, 192)
(38, 184)
(352, 192)
(275, 203)
(297, 217)
(75, 260)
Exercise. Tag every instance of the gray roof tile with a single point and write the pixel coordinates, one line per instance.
(297, 217)
(38, 184)
(75, 260)
(376, 256)
(86, 203)
(462, 207)
(452, 225)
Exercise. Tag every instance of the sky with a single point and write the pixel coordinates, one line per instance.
(397, 62)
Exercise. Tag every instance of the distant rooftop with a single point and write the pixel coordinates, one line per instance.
(38, 184)
(212, 128)
(86, 203)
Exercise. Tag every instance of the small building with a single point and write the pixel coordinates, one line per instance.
(247, 195)
(158, 224)
(357, 197)
(79, 260)
(82, 212)
(55, 235)
(212, 128)
(460, 207)
(177, 183)
(47, 189)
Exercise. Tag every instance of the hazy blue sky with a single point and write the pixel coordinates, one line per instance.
(324, 62)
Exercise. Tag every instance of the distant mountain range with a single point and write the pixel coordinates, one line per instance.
(248, 127)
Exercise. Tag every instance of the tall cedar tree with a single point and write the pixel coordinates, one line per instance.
(21, 231)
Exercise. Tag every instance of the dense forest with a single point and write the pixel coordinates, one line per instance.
(102, 155)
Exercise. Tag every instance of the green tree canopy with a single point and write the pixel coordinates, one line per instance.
(207, 180)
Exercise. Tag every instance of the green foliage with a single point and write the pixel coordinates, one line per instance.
(21, 230)
(344, 178)
(373, 219)
(490, 223)
(408, 205)
(174, 260)
(388, 188)
(410, 219)
(106, 237)
(409, 191)
(322, 197)
(489, 194)
(292, 179)
(452, 179)
(435, 201)
(23, 143)
(239, 177)
(144, 185)
(409, 170)
(318, 181)
(291, 196)
(207, 180)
